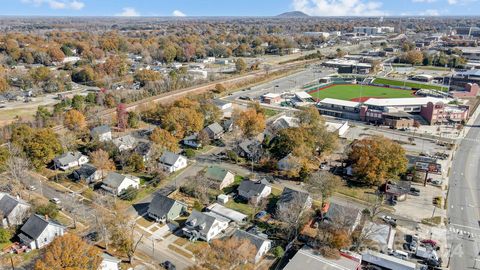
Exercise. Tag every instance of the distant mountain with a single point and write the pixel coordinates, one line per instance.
(293, 14)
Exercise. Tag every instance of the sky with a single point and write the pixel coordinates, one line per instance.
(239, 7)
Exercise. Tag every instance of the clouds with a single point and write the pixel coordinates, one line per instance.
(426, 1)
(178, 13)
(430, 12)
(339, 7)
(57, 4)
(128, 12)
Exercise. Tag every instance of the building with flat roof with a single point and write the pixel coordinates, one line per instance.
(385, 261)
(460, 80)
(307, 258)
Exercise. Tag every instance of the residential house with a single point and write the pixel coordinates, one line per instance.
(261, 243)
(116, 183)
(384, 261)
(227, 125)
(109, 262)
(13, 210)
(40, 231)
(70, 160)
(204, 225)
(163, 209)
(288, 163)
(87, 173)
(220, 177)
(308, 258)
(224, 106)
(102, 133)
(214, 131)
(254, 190)
(248, 148)
(172, 162)
(192, 141)
(285, 122)
(145, 150)
(126, 142)
(342, 216)
(291, 195)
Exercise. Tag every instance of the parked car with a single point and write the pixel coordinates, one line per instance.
(389, 220)
(261, 214)
(414, 191)
(168, 265)
(55, 200)
(436, 182)
(32, 188)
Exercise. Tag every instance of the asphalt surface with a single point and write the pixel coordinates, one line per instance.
(285, 84)
(463, 203)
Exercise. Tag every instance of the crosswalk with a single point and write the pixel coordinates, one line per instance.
(463, 233)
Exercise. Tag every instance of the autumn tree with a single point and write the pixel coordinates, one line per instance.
(122, 116)
(69, 252)
(164, 139)
(121, 231)
(240, 65)
(292, 215)
(3, 84)
(182, 121)
(232, 253)
(74, 120)
(330, 239)
(377, 159)
(144, 76)
(250, 122)
(323, 183)
(41, 146)
(414, 57)
(101, 160)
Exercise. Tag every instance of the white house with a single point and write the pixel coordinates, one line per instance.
(261, 243)
(220, 177)
(13, 210)
(102, 133)
(204, 225)
(40, 231)
(116, 183)
(254, 190)
(172, 162)
(70, 160)
(126, 142)
(109, 262)
(88, 173)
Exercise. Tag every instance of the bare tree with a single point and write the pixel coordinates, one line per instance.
(199, 187)
(323, 183)
(291, 214)
(17, 165)
(121, 232)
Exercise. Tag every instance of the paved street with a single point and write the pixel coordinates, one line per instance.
(463, 202)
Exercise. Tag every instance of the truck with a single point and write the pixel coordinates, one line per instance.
(426, 252)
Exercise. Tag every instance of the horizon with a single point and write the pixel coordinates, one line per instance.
(246, 8)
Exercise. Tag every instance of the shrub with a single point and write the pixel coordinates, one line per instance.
(129, 194)
(278, 252)
(189, 153)
(49, 209)
(5, 235)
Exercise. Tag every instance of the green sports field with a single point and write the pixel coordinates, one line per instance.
(357, 92)
(409, 84)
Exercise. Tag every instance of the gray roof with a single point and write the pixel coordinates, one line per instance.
(85, 171)
(8, 203)
(101, 130)
(109, 258)
(253, 188)
(68, 157)
(289, 194)
(307, 258)
(143, 148)
(247, 145)
(114, 179)
(161, 205)
(202, 221)
(169, 158)
(256, 240)
(36, 224)
(127, 140)
(216, 128)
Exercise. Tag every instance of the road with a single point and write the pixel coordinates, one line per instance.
(463, 202)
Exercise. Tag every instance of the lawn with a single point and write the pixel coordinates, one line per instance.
(409, 84)
(355, 91)
(243, 208)
(269, 112)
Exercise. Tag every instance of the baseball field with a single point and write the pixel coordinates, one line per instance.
(356, 92)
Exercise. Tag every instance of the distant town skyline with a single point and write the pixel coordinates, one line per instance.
(180, 8)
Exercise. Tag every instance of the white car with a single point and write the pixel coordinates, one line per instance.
(55, 200)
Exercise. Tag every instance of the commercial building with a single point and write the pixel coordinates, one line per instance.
(368, 30)
(307, 258)
(460, 79)
(441, 113)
